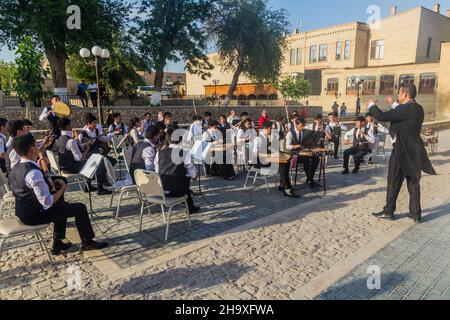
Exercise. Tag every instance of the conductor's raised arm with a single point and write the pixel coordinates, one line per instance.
(398, 114)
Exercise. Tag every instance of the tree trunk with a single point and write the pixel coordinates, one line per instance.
(57, 61)
(156, 96)
(233, 86)
(28, 107)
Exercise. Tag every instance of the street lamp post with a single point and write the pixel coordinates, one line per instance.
(215, 82)
(98, 53)
(358, 81)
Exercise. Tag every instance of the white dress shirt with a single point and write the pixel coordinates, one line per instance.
(210, 135)
(195, 131)
(72, 146)
(188, 162)
(118, 125)
(35, 180)
(44, 114)
(93, 135)
(136, 135)
(351, 134)
(290, 139)
(3, 143)
(149, 155)
(260, 144)
(332, 125)
(92, 87)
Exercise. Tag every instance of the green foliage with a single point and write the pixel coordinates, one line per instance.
(294, 88)
(118, 73)
(8, 74)
(30, 71)
(250, 38)
(45, 21)
(172, 30)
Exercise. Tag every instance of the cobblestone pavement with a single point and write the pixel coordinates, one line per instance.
(269, 261)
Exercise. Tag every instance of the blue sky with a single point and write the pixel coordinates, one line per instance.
(322, 13)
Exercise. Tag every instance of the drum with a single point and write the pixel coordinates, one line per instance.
(62, 110)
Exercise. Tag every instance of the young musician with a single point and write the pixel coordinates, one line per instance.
(49, 116)
(35, 205)
(334, 132)
(147, 122)
(144, 152)
(118, 127)
(244, 136)
(28, 125)
(175, 176)
(3, 142)
(196, 129)
(223, 126)
(262, 149)
(136, 133)
(233, 118)
(92, 136)
(319, 126)
(297, 139)
(280, 128)
(362, 138)
(72, 156)
(293, 117)
(208, 120)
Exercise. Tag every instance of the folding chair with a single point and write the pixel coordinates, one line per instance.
(77, 179)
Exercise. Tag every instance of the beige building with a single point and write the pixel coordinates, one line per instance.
(356, 59)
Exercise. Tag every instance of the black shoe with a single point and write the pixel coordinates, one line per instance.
(59, 246)
(417, 219)
(355, 171)
(314, 185)
(90, 188)
(104, 192)
(194, 210)
(346, 171)
(93, 245)
(384, 215)
(280, 188)
(291, 194)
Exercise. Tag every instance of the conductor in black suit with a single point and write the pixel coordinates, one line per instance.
(409, 157)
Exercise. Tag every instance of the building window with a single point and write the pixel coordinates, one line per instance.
(427, 83)
(406, 78)
(377, 50)
(387, 85)
(347, 50)
(315, 79)
(368, 86)
(292, 61)
(351, 87)
(313, 54)
(333, 87)
(299, 56)
(338, 50)
(323, 52)
(430, 40)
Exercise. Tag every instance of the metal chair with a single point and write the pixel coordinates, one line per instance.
(119, 186)
(8, 198)
(259, 174)
(13, 228)
(152, 194)
(117, 142)
(77, 179)
(127, 155)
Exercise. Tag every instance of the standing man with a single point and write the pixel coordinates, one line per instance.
(49, 116)
(409, 157)
(93, 91)
(358, 106)
(335, 108)
(81, 92)
(343, 110)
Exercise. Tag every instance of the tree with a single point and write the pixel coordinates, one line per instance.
(46, 22)
(119, 73)
(30, 73)
(171, 30)
(294, 89)
(8, 73)
(250, 39)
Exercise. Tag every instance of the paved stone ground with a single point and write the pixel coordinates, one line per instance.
(270, 261)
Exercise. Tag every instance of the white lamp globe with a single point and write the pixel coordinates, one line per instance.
(97, 51)
(105, 54)
(85, 53)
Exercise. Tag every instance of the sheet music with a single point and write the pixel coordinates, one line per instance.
(197, 151)
(90, 168)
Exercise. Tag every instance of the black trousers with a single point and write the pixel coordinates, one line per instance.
(358, 157)
(396, 177)
(180, 190)
(94, 99)
(285, 177)
(336, 141)
(58, 215)
(310, 165)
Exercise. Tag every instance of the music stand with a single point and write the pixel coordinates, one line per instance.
(88, 172)
(199, 150)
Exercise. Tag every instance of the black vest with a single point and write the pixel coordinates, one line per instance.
(172, 175)
(27, 203)
(3, 161)
(360, 144)
(95, 148)
(295, 139)
(121, 126)
(67, 161)
(136, 158)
